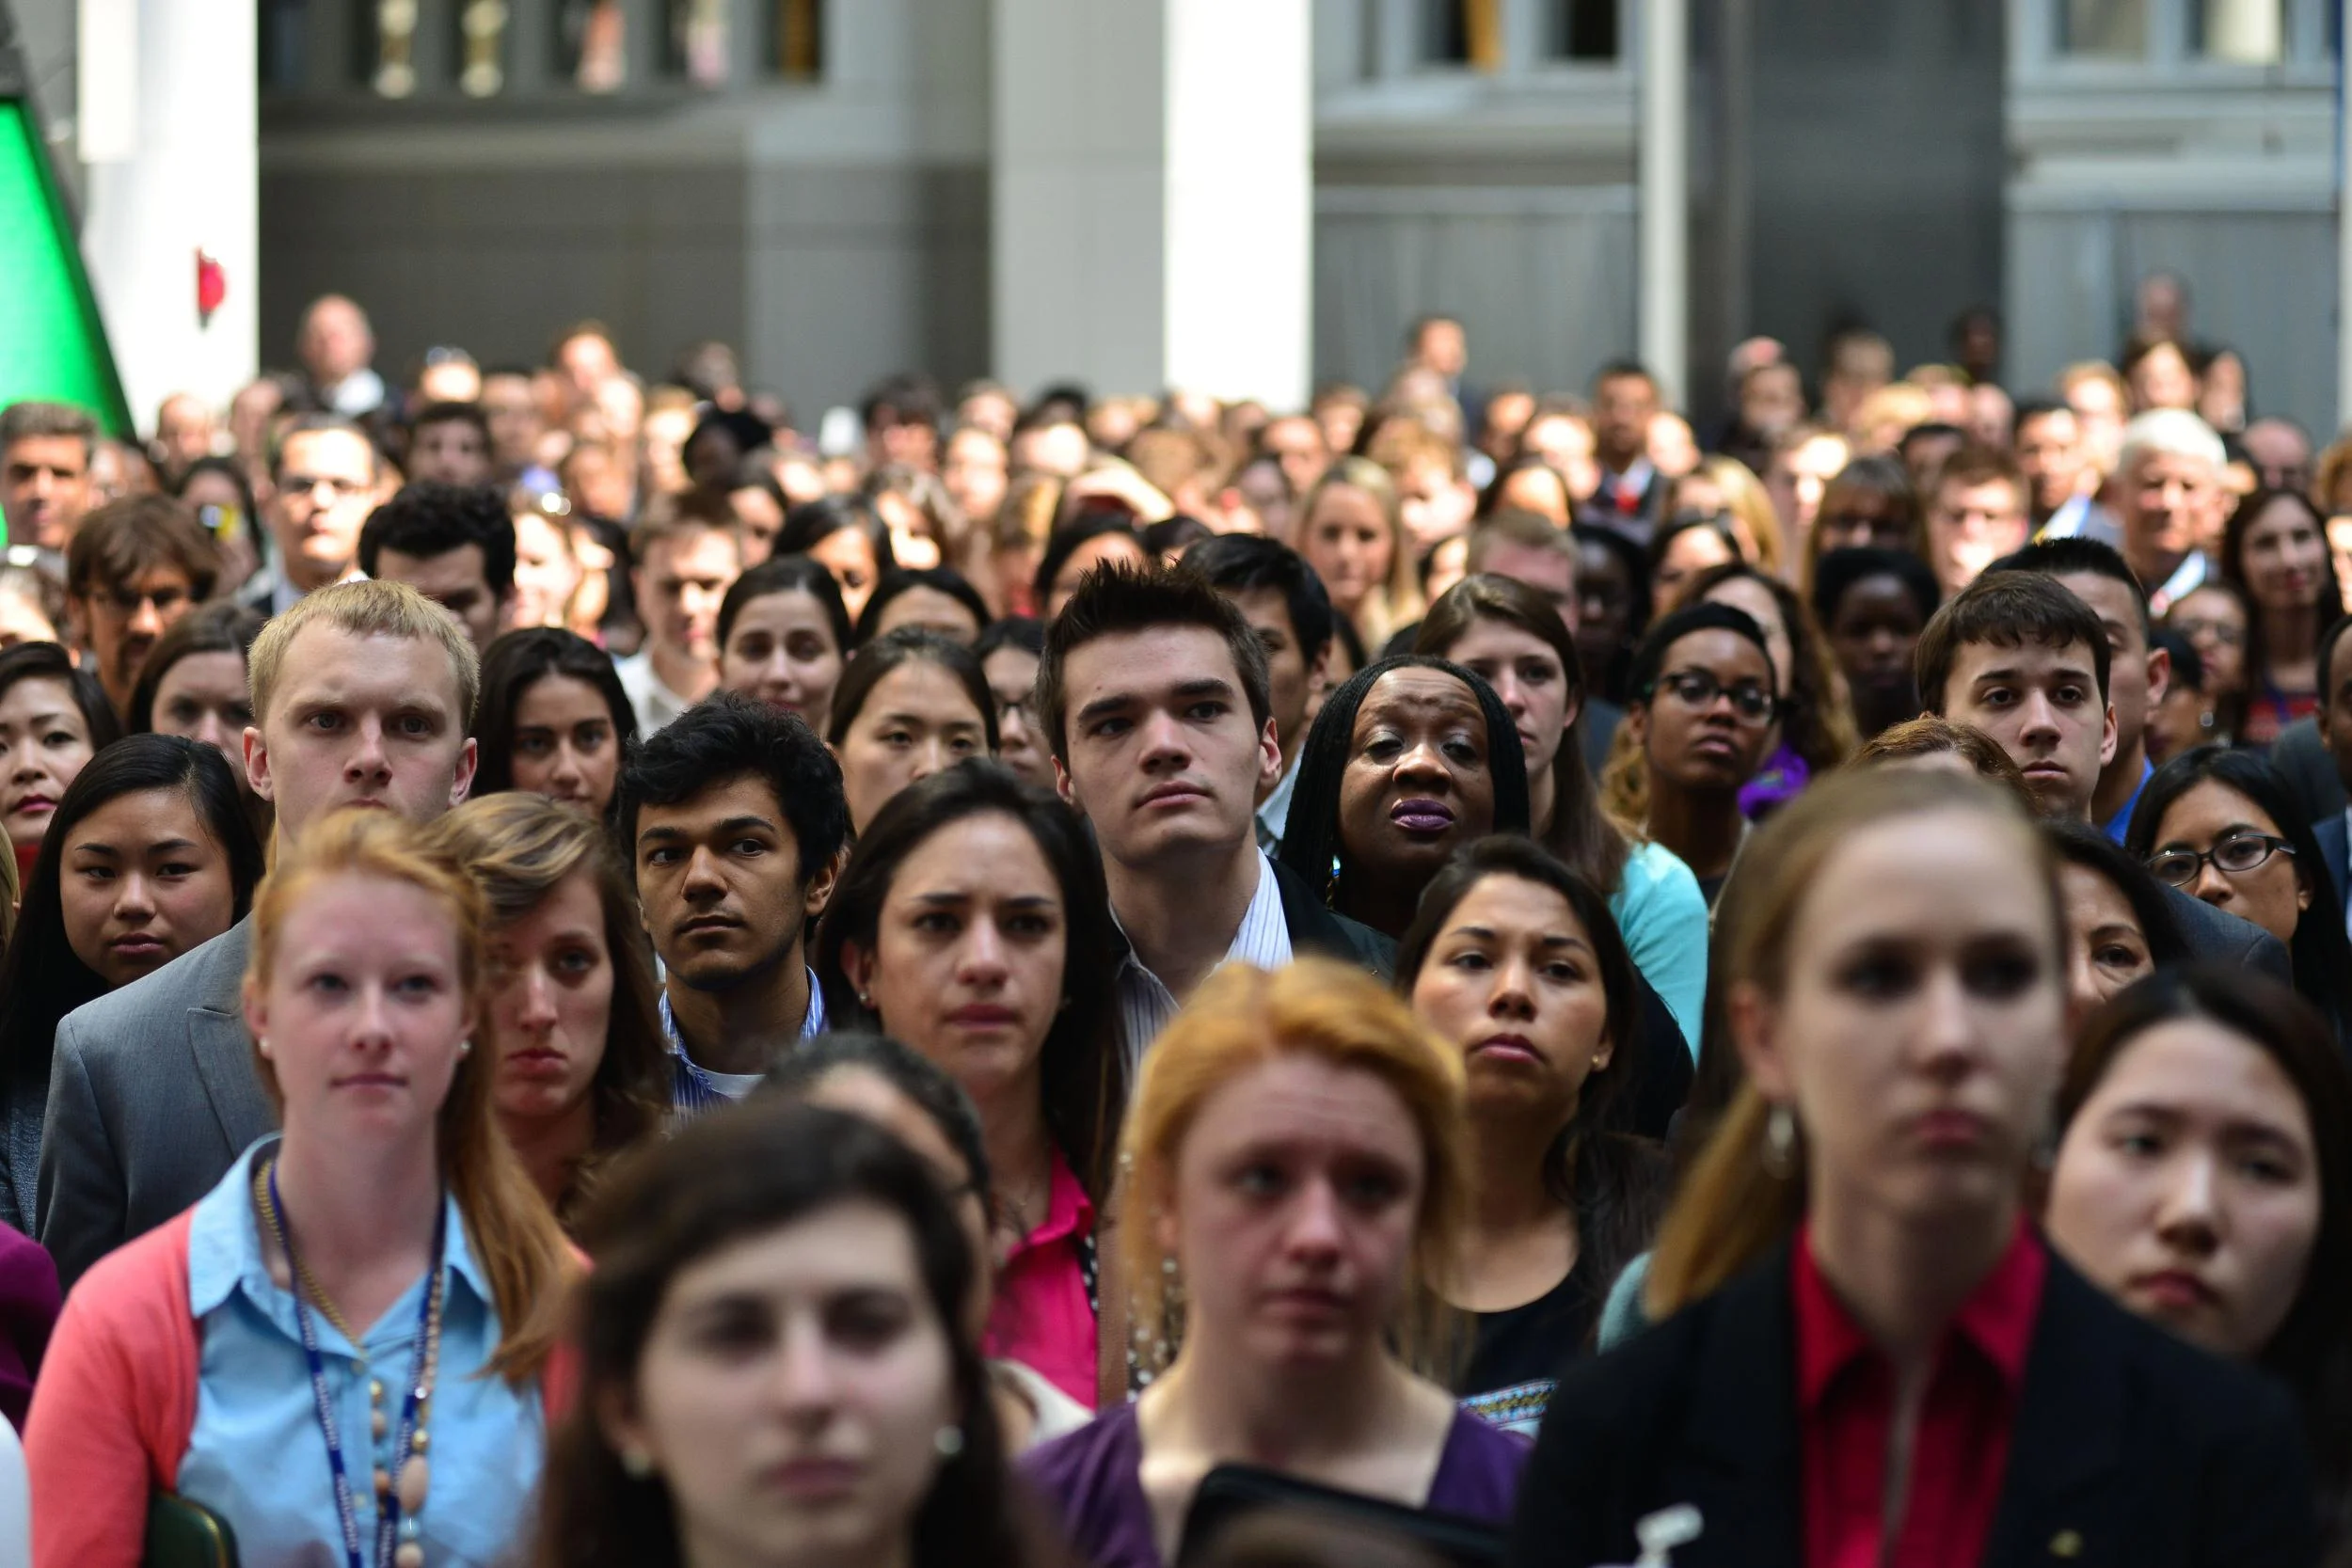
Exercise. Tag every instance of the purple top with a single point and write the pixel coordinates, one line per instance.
(1092, 1479)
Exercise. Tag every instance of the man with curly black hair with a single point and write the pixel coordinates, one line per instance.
(454, 543)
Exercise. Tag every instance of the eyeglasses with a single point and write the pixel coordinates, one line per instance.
(2233, 856)
(1698, 688)
(2223, 634)
(131, 601)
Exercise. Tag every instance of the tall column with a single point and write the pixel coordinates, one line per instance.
(1151, 199)
(174, 177)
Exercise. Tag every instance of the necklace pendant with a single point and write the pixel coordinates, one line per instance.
(416, 1477)
(408, 1554)
(378, 1425)
(382, 1483)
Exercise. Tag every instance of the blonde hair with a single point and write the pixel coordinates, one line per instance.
(508, 1224)
(365, 609)
(1242, 1018)
(1731, 1210)
(1751, 505)
(1390, 607)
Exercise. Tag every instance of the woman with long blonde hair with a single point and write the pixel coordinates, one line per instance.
(1297, 1204)
(1351, 530)
(338, 1350)
(1872, 1355)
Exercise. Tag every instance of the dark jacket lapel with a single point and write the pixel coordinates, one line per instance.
(1315, 929)
(1740, 1432)
(2068, 1439)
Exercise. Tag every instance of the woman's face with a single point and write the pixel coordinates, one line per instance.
(2273, 894)
(917, 720)
(1921, 1023)
(1296, 1195)
(848, 555)
(142, 881)
(860, 1091)
(1756, 601)
(565, 747)
(2214, 623)
(1347, 542)
(1875, 633)
(22, 621)
(968, 955)
(1687, 554)
(912, 542)
(1514, 982)
(546, 574)
(933, 611)
(202, 698)
(1541, 491)
(1526, 673)
(792, 1390)
(1860, 519)
(2187, 1186)
(2285, 558)
(363, 1014)
(1011, 674)
(780, 649)
(1419, 783)
(44, 744)
(2162, 379)
(1121, 549)
(2106, 949)
(550, 1002)
(1709, 722)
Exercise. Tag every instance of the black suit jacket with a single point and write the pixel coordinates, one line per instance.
(2131, 1449)
(1316, 929)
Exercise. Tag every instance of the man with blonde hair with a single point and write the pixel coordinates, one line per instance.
(362, 696)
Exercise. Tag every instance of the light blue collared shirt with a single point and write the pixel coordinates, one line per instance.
(695, 1089)
(256, 1456)
(1145, 1005)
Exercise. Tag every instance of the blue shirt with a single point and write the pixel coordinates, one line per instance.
(2120, 824)
(695, 1089)
(257, 1455)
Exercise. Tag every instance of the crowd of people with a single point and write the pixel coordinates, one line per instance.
(591, 978)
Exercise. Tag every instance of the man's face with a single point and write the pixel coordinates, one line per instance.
(1444, 348)
(1162, 754)
(360, 720)
(455, 579)
(2335, 708)
(2049, 449)
(2281, 454)
(1970, 527)
(1550, 573)
(1053, 448)
(680, 587)
(1294, 674)
(119, 621)
(335, 342)
(718, 885)
(450, 451)
(1295, 442)
(325, 489)
(513, 410)
(1771, 400)
(2165, 496)
(44, 488)
(2136, 677)
(1623, 406)
(2042, 705)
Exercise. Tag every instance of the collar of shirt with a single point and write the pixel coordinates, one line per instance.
(225, 1253)
(1067, 1211)
(2190, 574)
(1996, 1320)
(2117, 826)
(1146, 1005)
(697, 1087)
(1628, 486)
(1274, 812)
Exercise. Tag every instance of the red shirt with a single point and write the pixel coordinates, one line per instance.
(1846, 1409)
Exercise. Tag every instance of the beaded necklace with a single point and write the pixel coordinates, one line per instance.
(399, 1499)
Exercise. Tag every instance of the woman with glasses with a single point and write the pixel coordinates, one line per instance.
(1698, 723)
(1817, 731)
(2214, 617)
(1869, 504)
(2220, 826)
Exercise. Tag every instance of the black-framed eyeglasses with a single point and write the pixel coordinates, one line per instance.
(1698, 690)
(2233, 856)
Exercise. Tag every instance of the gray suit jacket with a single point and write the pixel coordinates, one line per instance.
(2219, 937)
(151, 1098)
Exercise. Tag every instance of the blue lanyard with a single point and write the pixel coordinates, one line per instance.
(388, 1505)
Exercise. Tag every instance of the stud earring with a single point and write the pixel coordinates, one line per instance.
(637, 1462)
(865, 1001)
(949, 1440)
(464, 1046)
(1780, 1144)
(262, 1045)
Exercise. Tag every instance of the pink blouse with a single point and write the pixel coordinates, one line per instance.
(1042, 1317)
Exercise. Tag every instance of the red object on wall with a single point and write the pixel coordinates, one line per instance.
(212, 287)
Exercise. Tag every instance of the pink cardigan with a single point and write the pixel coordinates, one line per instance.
(114, 1404)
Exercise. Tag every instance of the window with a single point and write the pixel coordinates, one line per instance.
(386, 34)
(2113, 29)
(2243, 32)
(278, 29)
(797, 42)
(695, 44)
(1463, 32)
(1580, 30)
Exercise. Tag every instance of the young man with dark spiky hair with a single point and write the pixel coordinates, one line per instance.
(734, 818)
(1155, 701)
(1283, 601)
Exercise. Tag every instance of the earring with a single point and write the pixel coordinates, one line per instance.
(865, 1001)
(464, 1046)
(1780, 1144)
(636, 1462)
(262, 1045)
(949, 1440)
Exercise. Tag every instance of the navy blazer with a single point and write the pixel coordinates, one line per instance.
(2330, 830)
(2131, 1449)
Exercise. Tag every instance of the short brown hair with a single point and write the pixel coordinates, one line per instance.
(1114, 599)
(1532, 529)
(365, 609)
(22, 421)
(2005, 609)
(138, 533)
(1927, 736)
(675, 516)
(1975, 463)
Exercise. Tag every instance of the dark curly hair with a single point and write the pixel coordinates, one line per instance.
(724, 737)
(430, 519)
